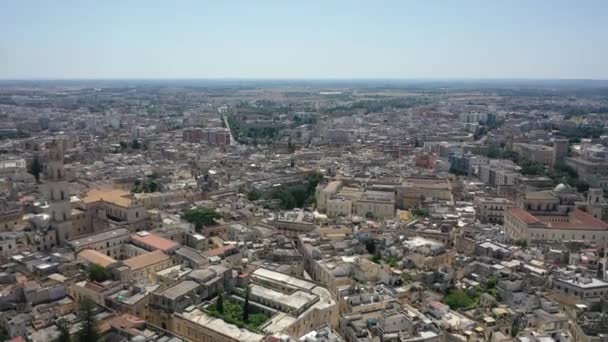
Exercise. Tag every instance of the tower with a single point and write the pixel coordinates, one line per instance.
(594, 202)
(57, 194)
(560, 150)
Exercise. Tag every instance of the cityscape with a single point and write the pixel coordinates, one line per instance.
(365, 205)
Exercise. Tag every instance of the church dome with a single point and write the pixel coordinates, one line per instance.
(560, 187)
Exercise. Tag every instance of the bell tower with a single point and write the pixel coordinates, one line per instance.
(594, 202)
(58, 195)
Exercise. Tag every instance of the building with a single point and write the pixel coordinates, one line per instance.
(144, 266)
(325, 193)
(535, 153)
(58, 196)
(576, 225)
(375, 204)
(107, 208)
(153, 242)
(110, 242)
(192, 135)
(492, 209)
(560, 150)
(585, 289)
(592, 171)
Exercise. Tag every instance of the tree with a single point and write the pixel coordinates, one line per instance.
(370, 245)
(523, 243)
(246, 306)
(459, 299)
(254, 195)
(35, 168)
(89, 332)
(219, 304)
(97, 273)
(200, 217)
(64, 332)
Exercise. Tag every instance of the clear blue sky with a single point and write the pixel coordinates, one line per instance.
(304, 39)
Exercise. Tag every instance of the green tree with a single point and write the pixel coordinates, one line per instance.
(521, 243)
(64, 332)
(89, 332)
(254, 195)
(370, 245)
(219, 304)
(491, 283)
(97, 273)
(200, 217)
(246, 307)
(35, 168)
(459, 299)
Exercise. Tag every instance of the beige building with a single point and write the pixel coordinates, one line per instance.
(339, 206)
(108, 208)
(109, 242)
(414, 190)
(324, 193)
(576, 225)
(196, 325)
(376, 204)
(143, 267)
(594, 172)
(492, 209)
(535, 153)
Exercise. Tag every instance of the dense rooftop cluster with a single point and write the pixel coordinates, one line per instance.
(302, 213)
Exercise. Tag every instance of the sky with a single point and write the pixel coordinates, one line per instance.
(307, 39)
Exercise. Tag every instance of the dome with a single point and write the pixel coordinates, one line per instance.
(560, 187)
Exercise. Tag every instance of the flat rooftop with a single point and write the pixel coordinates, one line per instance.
(99, 237)
(295, 301)
(179, 289)
(263, 273)
(118, 197)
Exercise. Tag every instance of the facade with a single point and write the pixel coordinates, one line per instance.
(58, 196)
(576, 225)
(109, 242)
(592, 171)
(107, 208)
(535, 153)
(589, 290)
(143, 267)
(492, 209)
(376, 204)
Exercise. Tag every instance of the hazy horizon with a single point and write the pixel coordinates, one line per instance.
(313, 40)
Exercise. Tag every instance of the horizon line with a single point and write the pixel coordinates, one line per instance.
(299, 79)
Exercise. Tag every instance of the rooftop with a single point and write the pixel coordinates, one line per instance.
(179, 289)
(115, 196)
(96, 257)
(154, 241)
(199, 317)
(145, 260)
(99, 237)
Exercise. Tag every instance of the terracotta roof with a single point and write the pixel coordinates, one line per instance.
(155, 241)
(523, 215)
(579, 220)
(115, 196)
(146, 260)
(96, 257)
(219, 251)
